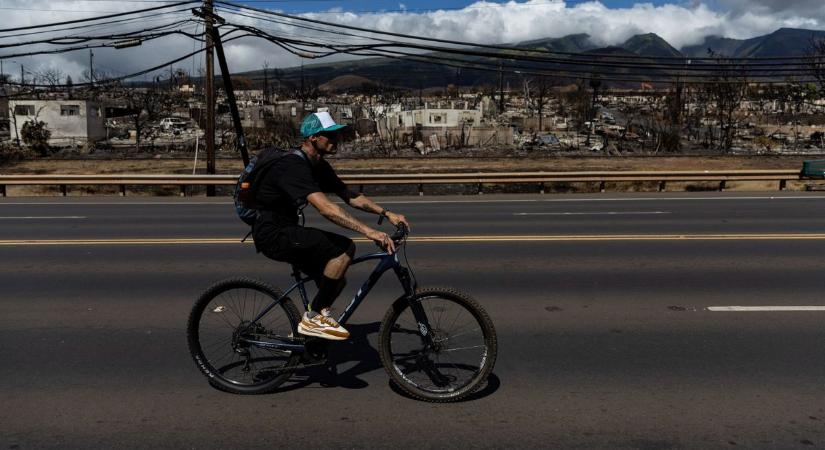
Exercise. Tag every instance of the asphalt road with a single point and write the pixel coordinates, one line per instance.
(600, 303)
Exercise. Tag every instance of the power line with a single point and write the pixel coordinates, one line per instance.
(104, 25)
(686, 71)
(567, 73)
(246, 1)
(56, 10)
(589, 59)
(489, 46)
(425, 10)
(336, 34)
(93, 46)
(90, 19)
(70, 40)
(121, 78)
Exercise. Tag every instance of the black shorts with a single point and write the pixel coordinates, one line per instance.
(308, 248)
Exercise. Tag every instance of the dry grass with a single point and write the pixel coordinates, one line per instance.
(428, 165)
(422, 164)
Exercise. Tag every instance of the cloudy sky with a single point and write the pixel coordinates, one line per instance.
(607, 22)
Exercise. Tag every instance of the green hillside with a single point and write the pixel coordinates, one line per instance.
(650, 45)
(410, 74)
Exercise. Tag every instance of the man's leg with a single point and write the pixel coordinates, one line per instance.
(326, 256)
(333, 280)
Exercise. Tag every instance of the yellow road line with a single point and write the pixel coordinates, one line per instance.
(443, 239)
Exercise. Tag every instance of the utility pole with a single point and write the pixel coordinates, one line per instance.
(500, 89)
(91, 67)
(266, 82)
(595, 83)
(22, 78)
(210, 96)
(303, 93)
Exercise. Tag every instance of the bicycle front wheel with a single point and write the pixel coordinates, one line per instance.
(221, 326)
(446, 362)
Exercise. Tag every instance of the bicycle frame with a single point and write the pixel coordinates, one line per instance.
(385, 263)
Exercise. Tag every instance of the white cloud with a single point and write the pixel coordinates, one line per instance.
(784, 7)
(679, 23)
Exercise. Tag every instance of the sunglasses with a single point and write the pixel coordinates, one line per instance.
(334, 137)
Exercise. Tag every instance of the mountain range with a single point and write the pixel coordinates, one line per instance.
(785, 42)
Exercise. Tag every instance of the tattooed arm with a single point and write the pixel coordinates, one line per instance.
(363, 203)
(340, 217)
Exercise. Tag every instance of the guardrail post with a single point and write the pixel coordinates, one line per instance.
(3, 189)
(782, 186)
(64, 190)
(420, 189)
(360, 188)
(123, 190)
(721, 185)
(183, 190)
(662, 185)
(541, 187)
(480, 189)
(601, 186)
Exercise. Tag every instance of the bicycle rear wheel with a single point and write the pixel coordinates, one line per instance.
(454, 360)
(220, 325)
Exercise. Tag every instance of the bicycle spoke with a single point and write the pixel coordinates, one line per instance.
(225, 326)
(234, 308)
(221, 316)
(457, 355)
(462, 348)
(461, 329)
(453, 336)
(216, 344)
(406, 331)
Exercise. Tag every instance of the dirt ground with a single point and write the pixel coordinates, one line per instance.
(420, 164)
(430, 165)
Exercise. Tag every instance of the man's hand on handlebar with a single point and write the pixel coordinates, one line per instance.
(383, 240)
(395, 219)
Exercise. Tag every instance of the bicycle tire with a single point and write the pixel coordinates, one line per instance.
(224, 292)
(401, 377)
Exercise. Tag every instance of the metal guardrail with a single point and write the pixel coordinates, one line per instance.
(476, 178)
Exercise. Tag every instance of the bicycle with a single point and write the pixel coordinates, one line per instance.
(436, 344)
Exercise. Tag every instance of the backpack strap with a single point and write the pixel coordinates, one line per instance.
(299, 152)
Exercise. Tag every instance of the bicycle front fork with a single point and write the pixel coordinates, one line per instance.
(418, 311)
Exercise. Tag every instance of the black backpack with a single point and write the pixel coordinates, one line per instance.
(246, 190)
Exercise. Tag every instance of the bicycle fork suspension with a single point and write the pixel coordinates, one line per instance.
(418, 311)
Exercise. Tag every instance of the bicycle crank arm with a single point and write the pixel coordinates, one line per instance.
(285, 344)
(299, 367)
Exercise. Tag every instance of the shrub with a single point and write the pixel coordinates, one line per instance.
(10, 153)
(36, 136)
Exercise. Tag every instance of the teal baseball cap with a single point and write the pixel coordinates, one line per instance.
(318, 123)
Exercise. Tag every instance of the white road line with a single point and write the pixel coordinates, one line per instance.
(764, 308)
(606, 213)
(424, 202)
(181, 203)
(631, 199)
(40, 217)
(428, 239)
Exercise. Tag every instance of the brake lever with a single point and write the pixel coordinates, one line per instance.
(401, 233)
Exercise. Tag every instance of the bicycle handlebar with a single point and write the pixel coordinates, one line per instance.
(401, 233)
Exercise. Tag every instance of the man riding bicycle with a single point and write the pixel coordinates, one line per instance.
(304, 177)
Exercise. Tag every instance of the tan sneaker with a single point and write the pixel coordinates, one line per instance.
(322, 326)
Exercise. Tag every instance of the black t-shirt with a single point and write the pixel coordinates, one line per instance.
(284, 190)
